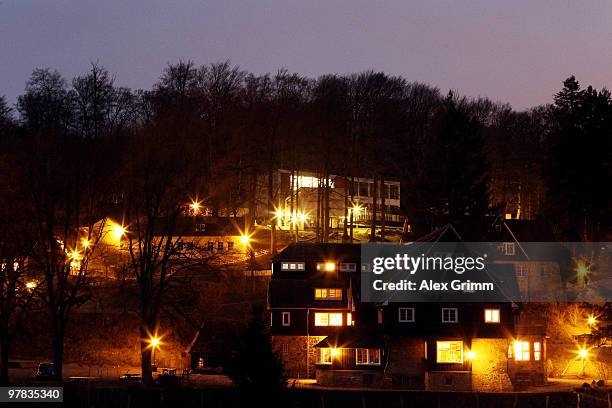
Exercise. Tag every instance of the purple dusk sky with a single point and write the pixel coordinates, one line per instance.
(517, 51)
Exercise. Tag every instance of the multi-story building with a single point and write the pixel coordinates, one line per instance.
(298, 194)
(322, 330)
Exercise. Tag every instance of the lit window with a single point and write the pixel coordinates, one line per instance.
(406, 314)
(286, 318)
(326, 267)
(328, 319)
(491, 315)
(367, 356)
(449, 351)
(537, 352)
(449, 315)
(521, 350)
(328, 294)
(349, 319)
(292, 266)
(325, 356)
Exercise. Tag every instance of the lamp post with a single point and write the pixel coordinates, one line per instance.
(583, 353)
(154, 342)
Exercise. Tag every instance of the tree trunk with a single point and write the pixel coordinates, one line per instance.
(373, 224)
(145, 356)
(318, 226)
(352, 190)
(58, 350)
(271, 211)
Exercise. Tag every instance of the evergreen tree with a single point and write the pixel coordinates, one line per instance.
(255, 367)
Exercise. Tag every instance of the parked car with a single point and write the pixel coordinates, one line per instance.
(45, 371)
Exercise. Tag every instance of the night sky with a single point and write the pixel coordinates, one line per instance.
(517, 51)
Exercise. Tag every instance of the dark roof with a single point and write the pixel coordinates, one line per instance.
(353, 338)
(319, 252)
(492, 229)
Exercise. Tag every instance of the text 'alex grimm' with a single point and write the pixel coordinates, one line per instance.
(431, 286)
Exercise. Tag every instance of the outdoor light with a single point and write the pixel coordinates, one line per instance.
(302, 217)
(31, 285)
(470, 355)
(279, 213)
(118, 232)
(154, 342)
(583, 353)
(335, 352)
(244, 239)
(357, 209)
(195, 206)
(330, 266)
(85, 242)
(591, 320)
(74, 255)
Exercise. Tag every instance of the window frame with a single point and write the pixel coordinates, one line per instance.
(328, 319)
(456, 310)
(521, 351)
(492, 311)
(368, 361)
(327, 294)
(325, 352)
(286, 322)
(438, 351)
(402, 309)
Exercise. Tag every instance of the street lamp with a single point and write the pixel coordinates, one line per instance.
(31, 285)
(471, 355)
(154, 343)
(85, 243)
(195, 207)
(591, 320)
(583, 353)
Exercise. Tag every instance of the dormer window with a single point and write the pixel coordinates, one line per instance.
(507, 248)
(406, 314)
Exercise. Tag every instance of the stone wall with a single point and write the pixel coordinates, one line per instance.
(490, 365)
(297, 354)
(350, 378)
(449, 380)
(405, 362)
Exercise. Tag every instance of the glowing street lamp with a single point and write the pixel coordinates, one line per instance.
(335, 352)
(591, 320)
(31, 285)
(85, 243)
(471, 355)
(195, 206)
(154, 343)
(278, 214)
(118, 231)
(357, 209)
(245, 239)
(303, 217)
(583, 353)
(330, 266)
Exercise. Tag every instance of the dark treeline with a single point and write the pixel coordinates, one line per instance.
(70, 152)
(454, 155)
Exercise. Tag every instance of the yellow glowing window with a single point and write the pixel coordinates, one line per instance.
(537, 352)
(328, 319)
(328, 294)
(326, 267)
(349, 319)
(449, 351)
(491, 315)
(521, 350)
(325, 356)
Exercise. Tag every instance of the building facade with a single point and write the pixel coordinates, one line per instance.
(322, 330)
